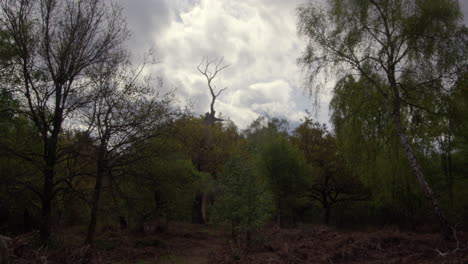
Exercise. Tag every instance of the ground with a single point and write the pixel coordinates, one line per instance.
(198, 244)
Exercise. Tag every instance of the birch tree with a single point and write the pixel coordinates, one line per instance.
(403, 48)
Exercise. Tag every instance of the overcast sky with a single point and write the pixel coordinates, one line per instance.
(256, 37)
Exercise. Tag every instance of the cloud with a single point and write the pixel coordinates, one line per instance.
(259, 41)
(145, 18)
(256, 37)
(464, 9)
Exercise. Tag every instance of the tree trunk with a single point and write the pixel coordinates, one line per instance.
(4, 256)
(327, 213)
(50, 158)
(280, 217)
(46, 217)
(203, 207)
(94, 210)
(248, 238)
(95, 202)
(449, 167)
(47, 195)
(207, 142)
(427, 190)
(27, 226)
(196, 211)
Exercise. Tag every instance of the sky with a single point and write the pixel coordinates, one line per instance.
(257, 38)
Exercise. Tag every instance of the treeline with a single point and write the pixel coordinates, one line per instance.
(263, 174)
(88, 140)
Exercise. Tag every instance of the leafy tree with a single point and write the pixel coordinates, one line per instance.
(243, 200)
(7, 55)
(456, 161)
(365, 139)
(459, 114)
(189, 134)
(332, 182)
(18, 179)
(386, 41)
(163, 186)
(282, 164)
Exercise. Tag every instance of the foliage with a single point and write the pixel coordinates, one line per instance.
(166, 187)
(386, 42)
(244, 200)
(85, 137)
(332, 182)
(370, 148)
(54, 44)
(283, 166)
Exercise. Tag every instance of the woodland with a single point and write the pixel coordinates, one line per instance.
(99, 165)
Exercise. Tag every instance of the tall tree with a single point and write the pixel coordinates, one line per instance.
(55, 41)
(209, 69)
(244, 201)
(332, 182)
(366, 141)
(125, 114)
(389, 40)
(282, 164)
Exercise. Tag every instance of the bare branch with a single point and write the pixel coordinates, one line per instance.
(209, 75)
(455, 250)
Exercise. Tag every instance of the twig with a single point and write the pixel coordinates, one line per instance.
(450, 252)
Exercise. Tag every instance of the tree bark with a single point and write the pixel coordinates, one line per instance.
(445, 228)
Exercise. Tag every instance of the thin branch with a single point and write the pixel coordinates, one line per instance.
(210, 76)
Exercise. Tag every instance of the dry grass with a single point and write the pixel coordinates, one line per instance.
(319, 244)
(196, 244)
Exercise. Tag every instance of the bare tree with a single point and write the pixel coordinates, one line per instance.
(125, 114)
(209, 69)
(55, 41)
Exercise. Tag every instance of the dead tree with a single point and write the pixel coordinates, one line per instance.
(210, 69)
(210, 117)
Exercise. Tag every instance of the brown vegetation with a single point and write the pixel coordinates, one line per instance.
(184, 243)
(320, 244)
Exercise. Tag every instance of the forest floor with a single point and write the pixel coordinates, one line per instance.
(197, 244)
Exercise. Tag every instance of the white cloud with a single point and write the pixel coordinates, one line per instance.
(256, 37)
